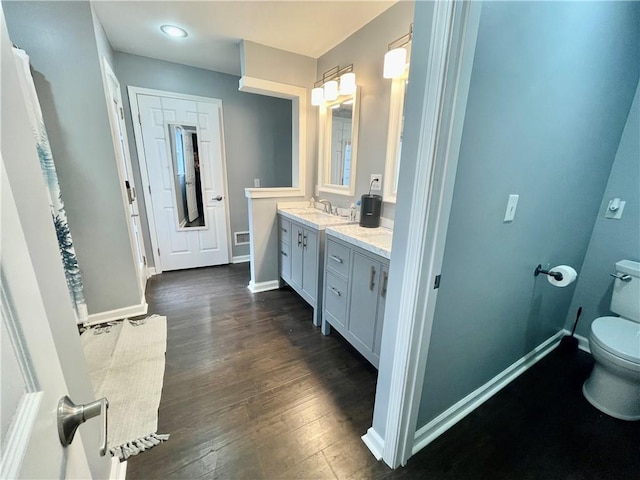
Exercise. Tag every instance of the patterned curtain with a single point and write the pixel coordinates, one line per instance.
(59, 216)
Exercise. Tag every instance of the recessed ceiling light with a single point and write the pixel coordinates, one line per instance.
(174, 31)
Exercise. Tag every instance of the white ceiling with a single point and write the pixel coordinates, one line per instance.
(215, 27)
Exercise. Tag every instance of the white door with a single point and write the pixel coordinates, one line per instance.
(32, 378)
(190, 176)
(178, 246)
(130, 193)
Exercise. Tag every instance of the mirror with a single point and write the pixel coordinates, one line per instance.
(187, 182)
(397, 109)
(338, 139)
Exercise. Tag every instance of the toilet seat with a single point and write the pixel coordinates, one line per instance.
(618, 336)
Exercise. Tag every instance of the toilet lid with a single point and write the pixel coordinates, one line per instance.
(619, 336)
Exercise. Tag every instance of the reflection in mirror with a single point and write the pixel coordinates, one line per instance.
(186, 176)
(341, 121)
(397, 110)
(338, 143)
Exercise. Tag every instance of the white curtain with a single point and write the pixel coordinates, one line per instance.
(58, 214)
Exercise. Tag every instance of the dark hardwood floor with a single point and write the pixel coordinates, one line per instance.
(252, 390)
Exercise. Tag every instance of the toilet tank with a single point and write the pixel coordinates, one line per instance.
(625, 300)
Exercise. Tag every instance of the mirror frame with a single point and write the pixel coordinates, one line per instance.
(174, 173)
(324, 149)
(396, 114)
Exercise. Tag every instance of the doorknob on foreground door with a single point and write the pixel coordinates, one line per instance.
(71, 416)
(218, 198)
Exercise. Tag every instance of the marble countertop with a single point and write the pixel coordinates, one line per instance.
(374, 240)
(312, 217)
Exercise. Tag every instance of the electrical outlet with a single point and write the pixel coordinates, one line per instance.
(376, 182)
(256, 182)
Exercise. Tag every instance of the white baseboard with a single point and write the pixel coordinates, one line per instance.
(117, 314)
(118, 469)
(374, 442)
(263, 286)
(241, 259)
(151, 271)
(443, 422)
(583, 343)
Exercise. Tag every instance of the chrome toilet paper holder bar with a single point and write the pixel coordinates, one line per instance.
(557, 275)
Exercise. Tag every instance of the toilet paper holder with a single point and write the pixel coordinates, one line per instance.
(557, 275)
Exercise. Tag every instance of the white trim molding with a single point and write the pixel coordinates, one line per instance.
(374, 442)
(241, 259)
(151, 271)
(118, 469)
(447, 419)
(299, 107)
(263, 286)
(444, 90)
(118, 313)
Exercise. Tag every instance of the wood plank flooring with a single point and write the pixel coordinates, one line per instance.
(252, 390)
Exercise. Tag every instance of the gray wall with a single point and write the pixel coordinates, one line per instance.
(366, 49)
(257, 129)
(60, 40)
(551, 88)
(612, 240)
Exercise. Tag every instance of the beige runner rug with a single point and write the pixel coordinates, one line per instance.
(126, 364)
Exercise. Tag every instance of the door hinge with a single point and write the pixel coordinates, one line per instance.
(149, 187)
(144, 260)
(436, 283)
(121, 113)
(158, 251)
(139, 119)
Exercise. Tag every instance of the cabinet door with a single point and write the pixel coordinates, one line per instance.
(296, 255)
(310, 263)
(382, 300)
(365, 274)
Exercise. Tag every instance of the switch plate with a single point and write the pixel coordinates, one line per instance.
(376, 186)
(256, 182)
(512, 204)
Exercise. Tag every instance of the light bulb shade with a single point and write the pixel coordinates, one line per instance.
(348, 84)
(395, 61)
(317, 96)
(331, 90)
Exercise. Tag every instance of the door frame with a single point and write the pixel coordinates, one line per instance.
(445, 90)
(107, 73)
(142, 162)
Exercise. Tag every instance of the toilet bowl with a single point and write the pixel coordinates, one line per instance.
(614, 384)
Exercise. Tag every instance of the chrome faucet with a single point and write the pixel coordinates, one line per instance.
(327, 206)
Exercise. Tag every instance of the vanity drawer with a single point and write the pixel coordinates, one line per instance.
(335, 299)
(285, 261)
(285, 231)
(338, 258)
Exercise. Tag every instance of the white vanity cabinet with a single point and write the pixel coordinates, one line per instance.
(355, 291)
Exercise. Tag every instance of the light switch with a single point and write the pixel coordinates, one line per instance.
(512, 204)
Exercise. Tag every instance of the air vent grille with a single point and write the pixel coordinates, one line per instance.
(241, 238)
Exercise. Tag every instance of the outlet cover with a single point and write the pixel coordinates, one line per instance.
(617, 213)
(256, 182)
(376, 186)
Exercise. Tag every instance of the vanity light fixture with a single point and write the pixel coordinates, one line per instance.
(174, 31)
(331, 90)
(327, 89)
(395, 60)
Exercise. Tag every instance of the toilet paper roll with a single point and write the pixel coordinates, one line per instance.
(568, 276)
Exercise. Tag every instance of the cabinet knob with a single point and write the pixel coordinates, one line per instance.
(372, 280)
(335, 291)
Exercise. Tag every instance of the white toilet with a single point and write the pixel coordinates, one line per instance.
(614, 384)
